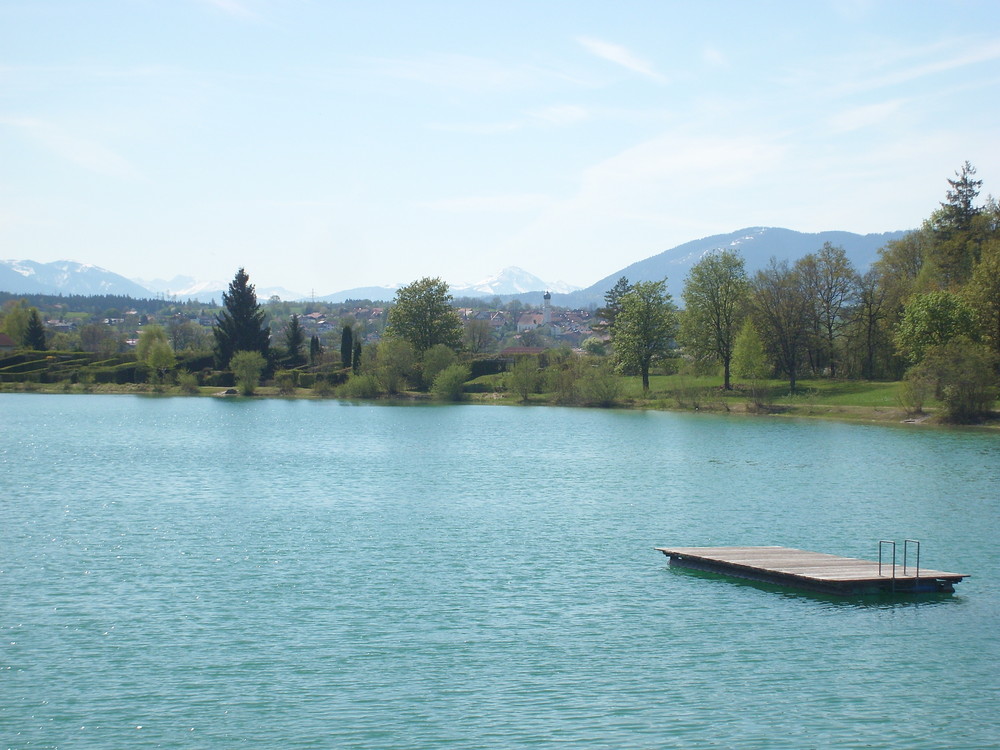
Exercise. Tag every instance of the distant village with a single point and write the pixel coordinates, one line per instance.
(513, 328)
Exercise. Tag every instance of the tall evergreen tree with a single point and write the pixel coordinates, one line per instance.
(612, 304)
(294, 338)
(960, 209)
(34, 335)
(955, 249)
(346, 346)
(240, 325)
(356, 357)
(315, 349)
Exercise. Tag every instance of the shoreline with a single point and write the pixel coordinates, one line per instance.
(872, 415)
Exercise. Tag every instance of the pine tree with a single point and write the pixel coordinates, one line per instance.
(346, 346)
(960, 209)
(294, 338)
(612, 304)
(34, 335)
(240, 325)
(315, 349)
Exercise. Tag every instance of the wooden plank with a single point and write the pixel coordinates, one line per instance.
(812, 569)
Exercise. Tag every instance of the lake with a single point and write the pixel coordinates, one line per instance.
(217, 573)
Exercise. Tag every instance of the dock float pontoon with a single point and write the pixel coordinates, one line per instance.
(816, 571)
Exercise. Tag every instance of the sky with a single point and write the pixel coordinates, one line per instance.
(326, 145)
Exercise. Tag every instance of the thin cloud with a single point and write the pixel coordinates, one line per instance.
(620, 56)
(565, 114)
(967, 57)
(489, 204)
(467, 73)
(869, 115)
(715, 57)
(85, 153)
(232, 7)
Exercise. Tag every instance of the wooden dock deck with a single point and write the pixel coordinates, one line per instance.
(815, 571)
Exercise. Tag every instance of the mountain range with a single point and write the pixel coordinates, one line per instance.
(757, 245)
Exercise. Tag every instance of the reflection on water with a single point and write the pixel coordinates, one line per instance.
(862, 601)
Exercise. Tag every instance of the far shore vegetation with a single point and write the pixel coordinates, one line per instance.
(914, 338)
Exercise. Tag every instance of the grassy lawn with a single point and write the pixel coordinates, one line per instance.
(859, 401)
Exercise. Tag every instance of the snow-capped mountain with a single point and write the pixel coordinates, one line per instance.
(64, 277)
(188, 287)
(511, 280)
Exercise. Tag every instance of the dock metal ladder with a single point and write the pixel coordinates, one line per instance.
(906, 548)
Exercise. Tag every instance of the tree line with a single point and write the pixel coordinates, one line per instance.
(928, 311)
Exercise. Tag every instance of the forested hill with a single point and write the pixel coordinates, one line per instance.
(756, 244)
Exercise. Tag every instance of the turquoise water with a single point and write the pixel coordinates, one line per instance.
(220, 573)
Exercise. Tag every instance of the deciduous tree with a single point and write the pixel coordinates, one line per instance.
(523, 377)
(645, 327)
(715, 299)
(780, 309)
(392, 363)
(153, 350)
(750, 361)
(983, 293)
(830, 282)
(422, 315)
(479, 336)
(869, 316)
(963, 375)
(439, 357)
(247, 367)
(933, 319)
(15, 319)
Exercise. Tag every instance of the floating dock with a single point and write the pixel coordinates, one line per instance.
(815, 571)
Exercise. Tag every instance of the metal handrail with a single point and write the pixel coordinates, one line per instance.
(906, 546)
(880, 543)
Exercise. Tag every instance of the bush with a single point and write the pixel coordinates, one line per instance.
(448, 385)
(599, 385)
(435, 361)
(964, 378)
(360, 386)
(913, 393)
(486, 366)
(247, 367)
(523, 377)
(562, 381)
(323, 388)
(188, 383)
(286, 380)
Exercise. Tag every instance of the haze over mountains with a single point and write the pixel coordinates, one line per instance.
(757, 244)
